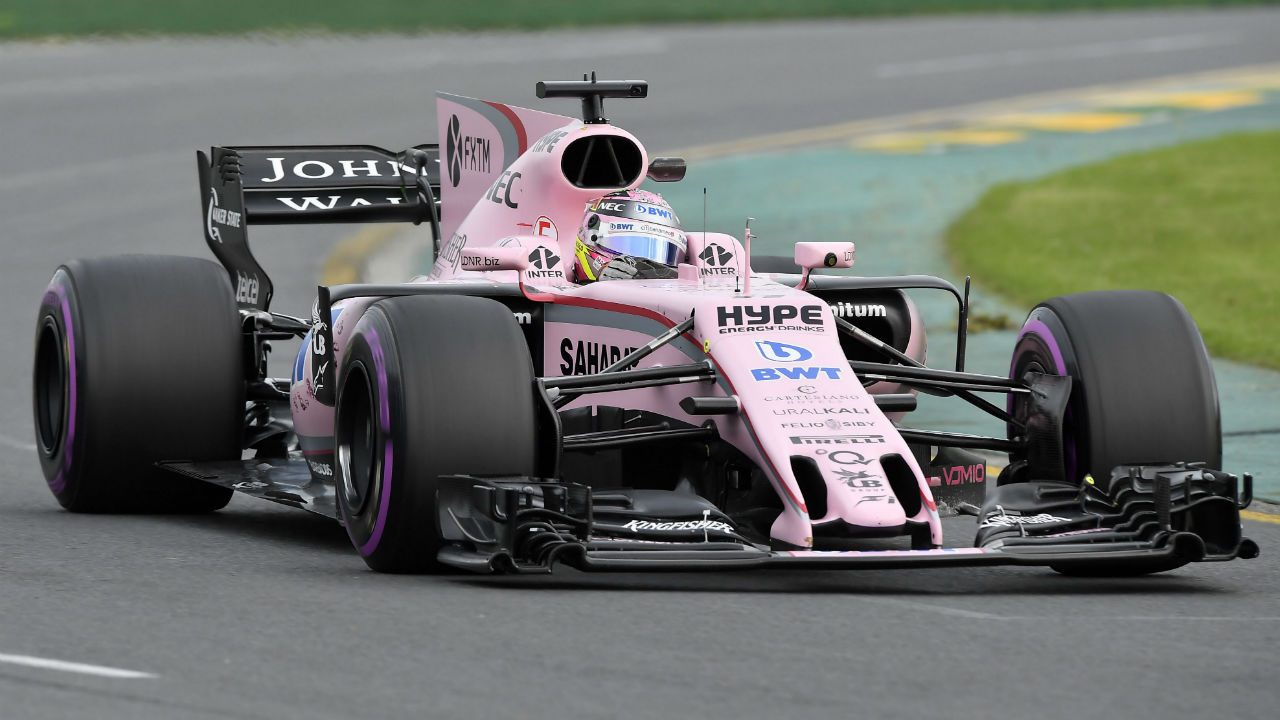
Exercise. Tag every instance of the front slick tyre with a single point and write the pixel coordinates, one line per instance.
(1142, 392)
(429, 386)
(137, 360)
(1143, 389)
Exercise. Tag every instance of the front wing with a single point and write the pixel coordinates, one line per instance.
(1146, 519)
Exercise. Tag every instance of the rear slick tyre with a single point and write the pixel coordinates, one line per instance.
(137, 360)
(428, 386)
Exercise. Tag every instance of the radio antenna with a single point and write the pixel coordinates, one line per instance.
(746, 238)
(704, 213)
(704, 225)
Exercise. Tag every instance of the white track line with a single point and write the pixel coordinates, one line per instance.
(929, 607)
(74, 667)
(1174, 618)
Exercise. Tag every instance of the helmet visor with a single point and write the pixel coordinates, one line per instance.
(664, 245)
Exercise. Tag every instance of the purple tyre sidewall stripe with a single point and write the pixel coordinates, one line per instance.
(1038, 328)
(59, 482)
(384, 418)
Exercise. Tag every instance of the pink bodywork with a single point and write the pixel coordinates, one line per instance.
(796, 392)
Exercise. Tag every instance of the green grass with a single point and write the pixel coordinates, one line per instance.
(35, 18)
(1199, 221)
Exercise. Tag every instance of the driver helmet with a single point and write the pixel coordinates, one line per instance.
(632, 229)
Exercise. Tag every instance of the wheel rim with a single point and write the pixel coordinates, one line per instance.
(356, 439)
(50, 388)
(1039, 360)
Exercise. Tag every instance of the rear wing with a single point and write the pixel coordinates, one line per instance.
(299, 184)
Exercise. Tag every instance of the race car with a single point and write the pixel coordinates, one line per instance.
(580, 380)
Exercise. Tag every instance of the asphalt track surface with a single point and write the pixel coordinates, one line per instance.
(261, 611)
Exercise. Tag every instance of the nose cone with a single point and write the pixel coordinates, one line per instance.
(862, 500)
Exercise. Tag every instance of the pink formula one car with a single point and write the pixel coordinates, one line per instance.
(582, 380)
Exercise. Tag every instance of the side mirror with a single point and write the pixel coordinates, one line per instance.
(667, 169)
(810, 255)
(495, 258)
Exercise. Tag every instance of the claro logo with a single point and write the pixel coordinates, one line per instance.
(246, 288)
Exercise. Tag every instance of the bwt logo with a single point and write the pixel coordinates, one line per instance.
(796, 373)
(781, 352)
(650, 210)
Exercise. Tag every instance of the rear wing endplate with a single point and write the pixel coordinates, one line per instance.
(300, 184)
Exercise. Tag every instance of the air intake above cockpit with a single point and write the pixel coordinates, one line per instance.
(602, 161)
